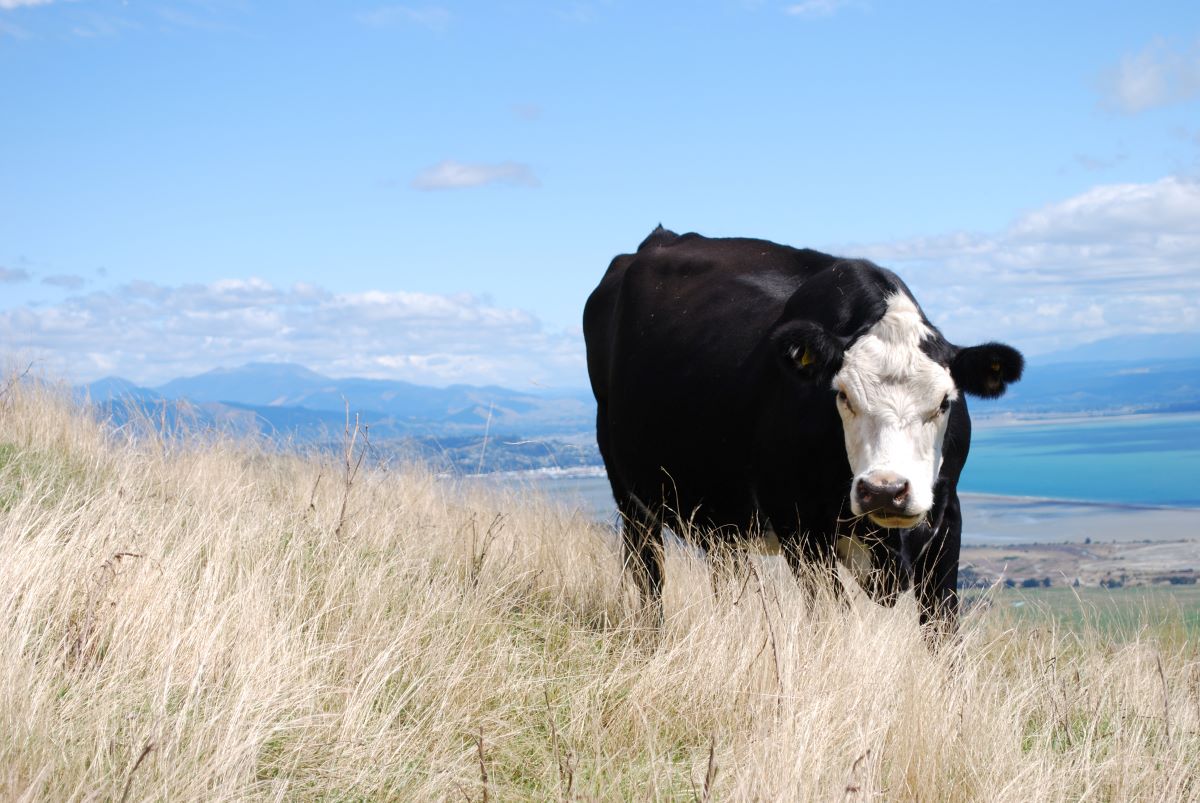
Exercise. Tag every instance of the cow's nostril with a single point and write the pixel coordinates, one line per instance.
(883, 492)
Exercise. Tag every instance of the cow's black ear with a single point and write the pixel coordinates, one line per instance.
(987, 370)
(808, 348)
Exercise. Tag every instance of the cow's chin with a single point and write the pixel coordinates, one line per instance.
(895, 522)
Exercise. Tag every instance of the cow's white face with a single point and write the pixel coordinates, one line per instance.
(894, 402)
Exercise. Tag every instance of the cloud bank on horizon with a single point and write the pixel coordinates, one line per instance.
(151, 333)
(326, 191)
(1118, 259)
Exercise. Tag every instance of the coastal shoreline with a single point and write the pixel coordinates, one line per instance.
(1008, 420)
(1004, 537)
(987, 518)
(995, 519)
(1052, 501)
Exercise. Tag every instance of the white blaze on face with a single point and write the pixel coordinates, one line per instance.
(890, 397)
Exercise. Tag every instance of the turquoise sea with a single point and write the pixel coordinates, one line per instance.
(1063, 480)
(1133, 460)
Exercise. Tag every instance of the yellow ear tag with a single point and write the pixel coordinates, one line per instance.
(806, 359)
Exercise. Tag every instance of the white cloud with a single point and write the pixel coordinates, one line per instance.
(452, 175)
(1157, 76)
(526, 111)
(65, 280)
(1117, 259)
(434, 18)
(150, 332)
(817, 8)
(1099, 163)
(93, 25)
(8, 5)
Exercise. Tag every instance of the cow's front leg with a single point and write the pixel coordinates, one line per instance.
(935, 575)
(812, 560)
(878, 561)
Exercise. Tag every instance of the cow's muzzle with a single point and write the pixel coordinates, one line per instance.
(885, 499)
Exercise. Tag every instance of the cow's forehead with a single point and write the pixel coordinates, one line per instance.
(889, 355)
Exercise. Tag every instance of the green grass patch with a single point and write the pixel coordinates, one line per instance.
(1172, 612)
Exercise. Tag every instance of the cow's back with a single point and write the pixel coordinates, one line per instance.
(677, 340)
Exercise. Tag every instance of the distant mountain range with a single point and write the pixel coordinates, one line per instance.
(1102, 388)
(1127, 374)
(461, 427)
(468, 428)
(289, 396)
(1129, 348)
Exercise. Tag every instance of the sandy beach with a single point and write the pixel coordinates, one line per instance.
(990, 519)
(987, 518)
(1021, 538)
(1008, 536)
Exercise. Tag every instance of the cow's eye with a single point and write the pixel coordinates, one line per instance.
(942, 408)
(844, 399)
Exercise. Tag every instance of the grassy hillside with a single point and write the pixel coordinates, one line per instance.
(215, 622)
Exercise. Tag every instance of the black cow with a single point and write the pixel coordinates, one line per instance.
(748, 387)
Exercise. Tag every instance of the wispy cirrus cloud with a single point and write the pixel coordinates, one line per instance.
(151, 332)
(1116, 259)
(818, 8)
(66, 281)
(1097, 163)
(13, 275)
(453, 175)
(94, 21)
(11, 29)
(1159, 75)
(526, 111)
(435, 18)
(9, 5)
(14, 31)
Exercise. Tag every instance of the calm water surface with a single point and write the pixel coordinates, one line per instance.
(1144, 460)
(1038, 482)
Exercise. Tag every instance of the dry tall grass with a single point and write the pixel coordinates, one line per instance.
(205, 623)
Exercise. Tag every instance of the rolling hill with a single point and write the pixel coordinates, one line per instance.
(467, 428)
(462, 428)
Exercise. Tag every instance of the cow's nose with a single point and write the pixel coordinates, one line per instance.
(883, 492)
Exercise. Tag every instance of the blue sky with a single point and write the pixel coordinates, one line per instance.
(428, 191)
